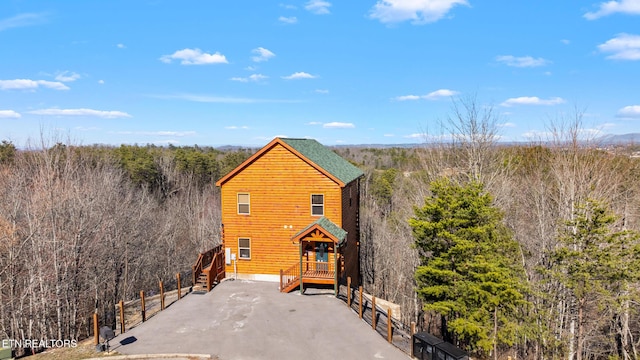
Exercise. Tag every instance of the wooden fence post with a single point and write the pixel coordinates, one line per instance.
(142, 307)
(349, 291)
(373, 312)
(389, 327)
(161, 296)
(281, 273)
(360, 290)
(121, 317)
(413, 331)
(179, 286)
(96, 334)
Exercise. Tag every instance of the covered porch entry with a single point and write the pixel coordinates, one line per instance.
(320, 262)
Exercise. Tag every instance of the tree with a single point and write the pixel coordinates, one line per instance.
(597, 265)
(469, 270)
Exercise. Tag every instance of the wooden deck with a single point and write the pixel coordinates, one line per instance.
(314, 273)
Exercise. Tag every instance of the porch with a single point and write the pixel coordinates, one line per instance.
(320, 257)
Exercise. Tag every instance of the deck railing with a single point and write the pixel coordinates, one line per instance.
(318, 269)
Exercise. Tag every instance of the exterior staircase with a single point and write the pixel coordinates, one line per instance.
(208, 269)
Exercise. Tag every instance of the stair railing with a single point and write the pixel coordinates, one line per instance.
(289, 276)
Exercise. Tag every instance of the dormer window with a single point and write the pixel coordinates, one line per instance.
(317, 204)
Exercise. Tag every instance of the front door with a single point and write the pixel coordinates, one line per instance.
(322, 256)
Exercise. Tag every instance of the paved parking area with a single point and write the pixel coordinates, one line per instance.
(252, 320)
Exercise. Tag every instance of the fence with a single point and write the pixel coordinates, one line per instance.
(380, 319)
(134, 312)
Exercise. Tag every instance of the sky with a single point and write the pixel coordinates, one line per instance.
(240, 72)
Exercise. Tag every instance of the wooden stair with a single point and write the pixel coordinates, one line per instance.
(291, 285)
(201, 283)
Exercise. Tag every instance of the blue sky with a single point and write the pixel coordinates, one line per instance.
(240, 72)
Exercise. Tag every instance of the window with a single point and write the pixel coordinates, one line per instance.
(244, 248)
(317, 204)
(243, 204)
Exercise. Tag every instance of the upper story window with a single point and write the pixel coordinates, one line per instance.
(244, 204)
(317, 204)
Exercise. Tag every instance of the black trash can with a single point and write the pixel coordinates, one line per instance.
(447, 351)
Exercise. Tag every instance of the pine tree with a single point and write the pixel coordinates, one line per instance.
(471, 271)
(597, 264)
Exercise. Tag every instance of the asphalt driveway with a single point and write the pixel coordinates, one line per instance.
(253, 320)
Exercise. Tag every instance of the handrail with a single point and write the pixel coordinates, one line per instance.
(289, 275)
(319, 268)
(205, 262)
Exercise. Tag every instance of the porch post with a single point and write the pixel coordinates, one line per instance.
(301, 271)
(335, 270)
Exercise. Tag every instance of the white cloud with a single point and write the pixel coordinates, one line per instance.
(27, 84)
(262, 54)
(522, 61)
(565, 41)
(252, 77)
(507, 125)
(321, 91)
(388, 135)
(299, 75)
(100, 82)
(156, 133)
(532, 100)
(121, 46)
(21, 20)
(418, 11)
(81, 112)
(314, 123)
(338, 125)
(629, 112)
(622, 47)
(319, 7)
(234, 127)
(631, 7)
(434, 95)
(288, 20)
(9, 114)
(288, 6)
(67, 76)
(194, 57)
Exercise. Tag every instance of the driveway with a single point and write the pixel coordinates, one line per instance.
(252, 320)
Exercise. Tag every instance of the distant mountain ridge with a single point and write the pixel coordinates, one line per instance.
(631, 138)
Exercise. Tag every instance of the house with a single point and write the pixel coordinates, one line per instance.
(291, 211)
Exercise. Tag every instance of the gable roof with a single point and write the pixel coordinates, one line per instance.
(333, 231)
(312, 152)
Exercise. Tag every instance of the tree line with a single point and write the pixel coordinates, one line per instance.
(524, 250)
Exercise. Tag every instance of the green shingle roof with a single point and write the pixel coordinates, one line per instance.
(329, 227)
(325, 158)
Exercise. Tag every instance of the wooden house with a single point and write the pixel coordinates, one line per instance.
(291, 212)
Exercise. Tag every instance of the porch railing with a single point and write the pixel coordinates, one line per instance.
(318, 269)
(205, 260)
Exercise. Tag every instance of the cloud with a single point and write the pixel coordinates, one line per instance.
(9, 114)
(338, 125)
(314, 123)
(507, 125)
(194, 57)
(418, 11)
(629, 112)
(288, 20)
(67, 76)
(523, 61)
(27, 84)
(234, 127)
(299, 75)
(100, 82)
(220, 99)
(81, 112)
(252, 78)
(22, 20)
(319, 7)
(434, 95)
(532, 100)
(262, 54)
(121, 46)
(565, 41)
(622, 47)
(631, 7)
(288, 6)
(321, 91)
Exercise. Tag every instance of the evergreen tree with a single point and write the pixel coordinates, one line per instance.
(598, 265)
(470, 270)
